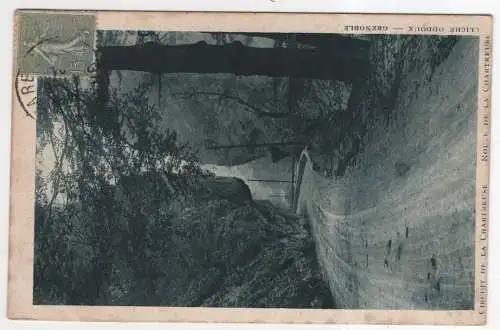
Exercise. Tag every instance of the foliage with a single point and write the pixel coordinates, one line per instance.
(79, 217)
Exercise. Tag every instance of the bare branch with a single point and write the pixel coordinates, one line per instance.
(247, 106)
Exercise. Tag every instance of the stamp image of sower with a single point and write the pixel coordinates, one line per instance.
(55, 43)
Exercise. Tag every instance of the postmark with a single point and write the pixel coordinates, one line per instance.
(58, 42)
(26, 93)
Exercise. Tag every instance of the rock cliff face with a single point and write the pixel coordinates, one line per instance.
(397, 230)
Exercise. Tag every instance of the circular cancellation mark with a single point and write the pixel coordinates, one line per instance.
(26, 92)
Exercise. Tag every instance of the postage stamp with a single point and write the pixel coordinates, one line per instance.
(251, 168)
(59, 42)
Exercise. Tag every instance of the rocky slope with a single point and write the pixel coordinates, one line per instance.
(212, 245)
(225, 250)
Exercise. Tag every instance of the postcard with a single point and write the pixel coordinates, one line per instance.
(250, 167)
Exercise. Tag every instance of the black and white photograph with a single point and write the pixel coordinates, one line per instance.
(259, 170)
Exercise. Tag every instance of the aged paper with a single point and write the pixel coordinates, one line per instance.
(250, 168)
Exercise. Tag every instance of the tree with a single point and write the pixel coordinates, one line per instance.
(81, 221)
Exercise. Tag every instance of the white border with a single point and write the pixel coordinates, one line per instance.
(419, 6)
